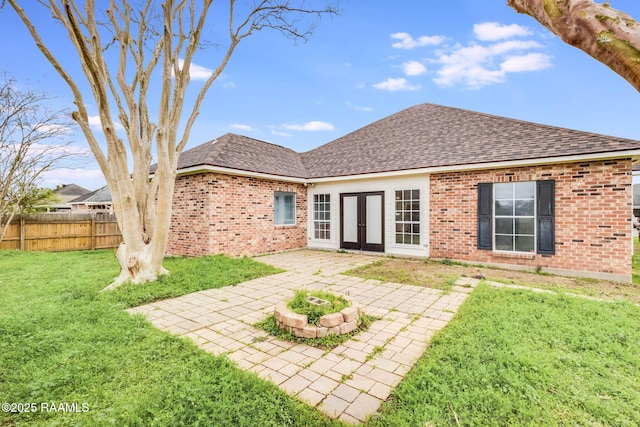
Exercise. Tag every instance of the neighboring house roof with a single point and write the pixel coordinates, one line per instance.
(69, 192)
(422, 136)
(243, 153)
(73, 190)
(100, 196)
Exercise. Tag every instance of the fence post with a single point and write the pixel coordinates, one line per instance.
(93, 233)
(22, 234)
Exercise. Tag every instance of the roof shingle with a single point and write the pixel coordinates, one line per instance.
(422, 136)
(243, 153)
(428, 135)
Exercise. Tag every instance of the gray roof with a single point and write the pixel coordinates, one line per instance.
(428, 135)
(422, 136)
(72, 190)
(101, 195)
(247, 154)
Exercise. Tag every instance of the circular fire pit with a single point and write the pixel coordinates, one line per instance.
(342, 322)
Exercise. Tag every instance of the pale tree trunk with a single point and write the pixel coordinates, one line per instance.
(147, 39)
(608, 35)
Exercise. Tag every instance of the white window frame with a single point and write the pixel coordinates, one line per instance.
(403, 222)
(514, 217)
(280, 217)
(322, 218)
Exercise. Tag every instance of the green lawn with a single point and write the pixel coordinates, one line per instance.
(508, 357)
(521, 358)
(63, 341)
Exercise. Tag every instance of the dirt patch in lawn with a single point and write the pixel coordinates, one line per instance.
(442, 275)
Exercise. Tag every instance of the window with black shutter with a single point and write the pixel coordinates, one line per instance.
(517, 217)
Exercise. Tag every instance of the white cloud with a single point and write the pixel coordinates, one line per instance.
(96, 124)
(414, 68)
(52, 128)
(358, 107)
(476, 65)
(311, 126)
(91, 179)
(408, 42)
(493, 31)
(528, 62)
(240, 126)
(279, 133)
(393, 85)
(197, 72)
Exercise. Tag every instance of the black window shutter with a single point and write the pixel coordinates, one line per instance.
(485, 204)
(545, 217)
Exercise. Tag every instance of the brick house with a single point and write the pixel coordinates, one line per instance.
(429, 181)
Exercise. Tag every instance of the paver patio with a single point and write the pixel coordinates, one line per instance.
(346, 383)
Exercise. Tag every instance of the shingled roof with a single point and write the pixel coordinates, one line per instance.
(428, 135)
(422, 136)
(246, 154)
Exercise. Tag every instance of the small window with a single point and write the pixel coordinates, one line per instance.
(407, 217)
(322, 216)
(514, 215)
(284, 207)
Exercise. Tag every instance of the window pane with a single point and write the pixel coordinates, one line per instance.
(524, 208)
(524, 243)
(524, 190)
(504, 243)
(525, 226)
(407, 217)
(504, 226)
(503, 191)
(504, 207)
(321, 215)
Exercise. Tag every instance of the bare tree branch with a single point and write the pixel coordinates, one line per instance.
(151, 36)
(31, 144)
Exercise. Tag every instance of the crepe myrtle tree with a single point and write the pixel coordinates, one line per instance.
(33, 141)
(120, 44)
(608, 35)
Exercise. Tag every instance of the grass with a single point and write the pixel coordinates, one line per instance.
(191, 275)
(520, 358)
(442, 275)
(61, 340)
(509, 357)
(314, 312)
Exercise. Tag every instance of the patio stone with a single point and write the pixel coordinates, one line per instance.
(342, 383)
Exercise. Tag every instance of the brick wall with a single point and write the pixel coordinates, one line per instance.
(216, 213)
(592, 216)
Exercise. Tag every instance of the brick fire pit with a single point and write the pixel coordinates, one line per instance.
(339, 323)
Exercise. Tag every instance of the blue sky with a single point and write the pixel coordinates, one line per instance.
(374, 59)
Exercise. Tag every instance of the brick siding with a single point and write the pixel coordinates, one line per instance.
(216, 213)
(592, 216)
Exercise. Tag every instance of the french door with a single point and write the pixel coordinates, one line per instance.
(362, 221)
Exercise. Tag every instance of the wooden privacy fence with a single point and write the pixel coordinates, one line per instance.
(55, 232)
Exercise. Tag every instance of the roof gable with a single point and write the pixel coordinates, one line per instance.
(246, 154)
(422, 136)
(428, 135)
